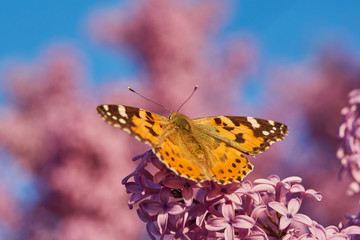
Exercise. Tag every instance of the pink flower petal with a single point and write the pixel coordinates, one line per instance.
(279, 207)
(227, 211)
(338, 236)
(243, 221)
(274, 179)
(216, 224)
(331, 230)
(162, 220)
(264, 181)
(151, 206)
(257, 211)
(234, 198)
(132, 187)
(263, 188)
(293, 179)
(284, 222)
(229, 233)
(297, 188)
(294, 206)
(142, 215)
(318, 231)
(302, 218)
(246, 185)
(314, 193)
(351, 230)
(188, 196)
(135, 197)
(175, 208)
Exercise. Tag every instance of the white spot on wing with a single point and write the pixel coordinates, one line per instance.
(122, 111)
(271, 122)
(114, 117)
(253, 122)
(108, 113)
(126, 130)
(265, 133)
(122, 121)
(106, 107)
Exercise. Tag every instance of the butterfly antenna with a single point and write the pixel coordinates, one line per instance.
(195, 88)
(148, 99)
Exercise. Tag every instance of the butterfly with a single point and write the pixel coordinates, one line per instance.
(209, 148)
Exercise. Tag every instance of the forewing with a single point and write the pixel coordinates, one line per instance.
(146, 126)
(247, 134)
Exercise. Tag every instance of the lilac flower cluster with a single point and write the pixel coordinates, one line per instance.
(349, 149)
(349, 133)
(177, 208)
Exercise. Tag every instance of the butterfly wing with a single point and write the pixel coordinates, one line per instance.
(247, 134)
(146, 126)
(228, 139)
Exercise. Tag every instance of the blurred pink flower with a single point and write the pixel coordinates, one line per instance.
(174, 41)
(308, 95)
(349, 133)
(9, 213)
(53, 133)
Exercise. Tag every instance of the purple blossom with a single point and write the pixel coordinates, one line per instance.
(162, 208)
(298, 188)
(177, 208)
(180, 229)
(279, 187)
(349, 133)
(289, 214)
(224, 192)
(253, 191)
(151, 227)
(229, 222)
(331, 232)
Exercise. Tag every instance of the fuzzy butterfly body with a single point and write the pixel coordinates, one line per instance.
(210, 148)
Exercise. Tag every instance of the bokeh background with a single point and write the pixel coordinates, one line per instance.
(61, 166)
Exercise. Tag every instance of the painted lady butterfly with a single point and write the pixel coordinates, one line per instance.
(210, 148)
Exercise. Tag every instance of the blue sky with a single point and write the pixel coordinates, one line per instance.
(291, 30)
(284, 30)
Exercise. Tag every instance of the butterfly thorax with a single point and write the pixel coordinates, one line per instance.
(186, 133)
(180, 121)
